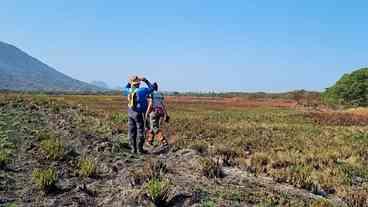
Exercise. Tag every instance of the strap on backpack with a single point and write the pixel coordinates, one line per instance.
(132, 98)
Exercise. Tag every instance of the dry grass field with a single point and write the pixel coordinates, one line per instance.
(223, 151)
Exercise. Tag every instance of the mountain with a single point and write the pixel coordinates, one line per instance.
(100, 84)
(22, 72)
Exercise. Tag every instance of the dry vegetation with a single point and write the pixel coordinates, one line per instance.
(243, 152)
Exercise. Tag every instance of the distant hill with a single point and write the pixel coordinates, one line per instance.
(22, 72)
(101, 84)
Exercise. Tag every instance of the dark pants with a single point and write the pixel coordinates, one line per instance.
(136, 130)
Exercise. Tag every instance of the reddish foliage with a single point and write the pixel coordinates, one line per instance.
(234, 102)
(105, 104)
(339, 119)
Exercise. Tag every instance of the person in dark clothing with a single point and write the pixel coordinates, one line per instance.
(137, 107)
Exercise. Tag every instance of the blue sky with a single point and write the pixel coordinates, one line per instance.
(194, 45)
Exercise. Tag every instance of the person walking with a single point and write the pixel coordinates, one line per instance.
(156, 114)
(137, 107)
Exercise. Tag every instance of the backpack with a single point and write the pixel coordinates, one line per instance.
(157, 103)
(157, 99)
(132, 98)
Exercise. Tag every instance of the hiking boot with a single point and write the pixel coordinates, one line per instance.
(165, 144)
(133, 151)
(140, 145)
(142, 152)
(150, 137)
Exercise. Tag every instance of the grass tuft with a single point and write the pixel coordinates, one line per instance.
(200, 147)
(227, 155)
(211, 169)
(136, 177)
(158, 191)
(87, 167)
(10, 205)
(154, 168)
(259, 162)
(53, 148)
(356, 197)
(321, 203)
(208, 203)
(4, 158)
(45, 179)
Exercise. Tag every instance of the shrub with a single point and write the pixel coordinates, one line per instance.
(5, 142)
(208, 203)
(154, 168)
(338, 119)
(40, 99)
(136, 177)
(119, 118)
(158, 191)
(351, 89)
(94, 125)
(300, 176)
(321, 203)
(227, 155)
(10, 205)
(180, 144)
(120, 144)
(356, 198)
(45, 179)
(259, 162)
(360, 137)
(351, 172)
(87, 167)
(4, 158)
(200, 147)
(44, 134)
(53, 148)
(211, 169)
(267, 203)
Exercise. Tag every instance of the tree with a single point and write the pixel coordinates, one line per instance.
(351, 89)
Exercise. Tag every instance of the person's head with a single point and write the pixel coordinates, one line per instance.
(134, 81)
(155, 86)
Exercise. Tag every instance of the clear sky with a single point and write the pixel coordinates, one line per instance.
(194, 45)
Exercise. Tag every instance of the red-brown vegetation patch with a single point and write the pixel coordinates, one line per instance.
(110, 104)
(233, 102)
(339, 119)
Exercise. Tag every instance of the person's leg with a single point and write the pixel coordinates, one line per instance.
(150, 134)
(155, 122)
(160, 134)
(140, 131)
(132, 134)
(161, 138)
(156, 127)
(147, 124)
(150, 137)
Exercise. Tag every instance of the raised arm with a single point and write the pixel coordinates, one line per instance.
(126, 89)
(128, 85)
(148, 83)
(149, 108)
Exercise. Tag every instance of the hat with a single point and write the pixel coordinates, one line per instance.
(134, 80)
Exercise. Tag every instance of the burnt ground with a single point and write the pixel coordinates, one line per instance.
(121, 176)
